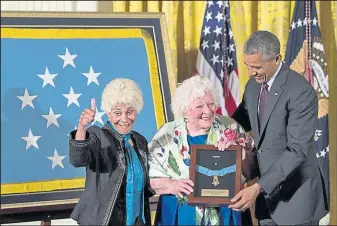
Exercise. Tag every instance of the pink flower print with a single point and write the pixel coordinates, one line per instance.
(242, 141)
(230, 134)
(183, 150)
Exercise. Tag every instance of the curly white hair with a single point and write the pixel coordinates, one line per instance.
(121, 90)
(191, 88)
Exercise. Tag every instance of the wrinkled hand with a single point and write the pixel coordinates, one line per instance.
(222, 145)
(181, 187)
(88, 115)
(245, 198)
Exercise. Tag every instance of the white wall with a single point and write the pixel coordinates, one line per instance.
(53, 222)
(60, 6)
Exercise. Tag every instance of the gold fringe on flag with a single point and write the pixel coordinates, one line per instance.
(41, 186)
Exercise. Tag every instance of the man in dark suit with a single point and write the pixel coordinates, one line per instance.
(280, 107)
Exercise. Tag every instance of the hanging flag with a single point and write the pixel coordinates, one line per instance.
(217, 56)
(305, 54)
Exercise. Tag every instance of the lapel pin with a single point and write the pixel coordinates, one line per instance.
(275, 94)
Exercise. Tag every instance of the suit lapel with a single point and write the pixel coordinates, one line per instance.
(273, 96)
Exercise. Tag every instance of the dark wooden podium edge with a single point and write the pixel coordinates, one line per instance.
(47, 213)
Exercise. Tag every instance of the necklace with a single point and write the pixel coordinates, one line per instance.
(215, 173)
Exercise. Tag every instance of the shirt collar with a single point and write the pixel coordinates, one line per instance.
(271, 80)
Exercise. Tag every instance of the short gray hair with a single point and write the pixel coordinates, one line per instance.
(121, 90)
(262, 42)
(191, 88)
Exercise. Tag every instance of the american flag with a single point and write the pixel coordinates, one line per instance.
(217, 56)
(45, 85)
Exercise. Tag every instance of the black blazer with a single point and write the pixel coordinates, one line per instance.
(103, 155)
(285, 148)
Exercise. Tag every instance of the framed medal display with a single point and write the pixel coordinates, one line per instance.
(216, 174)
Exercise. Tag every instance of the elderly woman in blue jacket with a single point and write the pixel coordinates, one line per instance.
(116, 160)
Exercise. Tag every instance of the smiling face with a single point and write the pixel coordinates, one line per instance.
(262, 70)
(122, 117)
(200, 114)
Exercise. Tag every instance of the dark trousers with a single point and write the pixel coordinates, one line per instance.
(271, 222)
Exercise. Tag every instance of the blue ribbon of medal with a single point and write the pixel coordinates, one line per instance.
(212, 173)
(215, 173)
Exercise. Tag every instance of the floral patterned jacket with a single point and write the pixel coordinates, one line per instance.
(169, 155)
(169, 147)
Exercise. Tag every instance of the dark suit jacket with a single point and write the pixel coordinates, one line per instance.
(285, 154)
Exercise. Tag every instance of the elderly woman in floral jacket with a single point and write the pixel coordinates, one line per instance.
(194, 105)
(116, 160)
